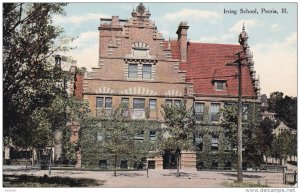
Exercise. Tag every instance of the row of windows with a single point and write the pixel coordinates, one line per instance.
(139, 104)
(146, 71)
(138, 136)
(214, 143)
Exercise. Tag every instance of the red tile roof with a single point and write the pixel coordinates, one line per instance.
(207, 62)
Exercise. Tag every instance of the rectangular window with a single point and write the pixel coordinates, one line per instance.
(219, 85)
(108, 102)
(132, 70)
(177, 102)
(214, 109)
(125, 102)
(147, 71)
(245, 111)
(124, 164)
(103, 164)
(152, 104)
(152, 136)
(138, 103)
(99, 102)
(214, 143)
(139, 136)
(199, 142)
(169, 102)
(99, 136)
(199, 111)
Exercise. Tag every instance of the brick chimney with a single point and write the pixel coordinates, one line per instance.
(115, 21)
(182, 39)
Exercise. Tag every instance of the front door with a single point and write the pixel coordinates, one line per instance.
(169, 160)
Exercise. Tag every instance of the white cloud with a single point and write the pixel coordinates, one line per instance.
(191, 14)
(249, 23)
(224, 39)
(88, 37)
(87, 57)
(79, 19)
(207, 40)
(276, 62)
(275, 28)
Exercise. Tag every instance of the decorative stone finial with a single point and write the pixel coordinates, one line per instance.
(141, 9)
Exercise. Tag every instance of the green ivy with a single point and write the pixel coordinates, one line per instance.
(93, 151)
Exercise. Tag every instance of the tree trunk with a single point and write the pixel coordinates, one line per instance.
(177, 159)
(115, 167)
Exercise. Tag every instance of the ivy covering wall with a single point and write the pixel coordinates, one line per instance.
(93, 149)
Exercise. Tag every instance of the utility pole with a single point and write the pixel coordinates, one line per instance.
(239, 64)
(244, 59)
(239, 129)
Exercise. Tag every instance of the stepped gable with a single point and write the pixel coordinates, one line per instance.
(207, 62)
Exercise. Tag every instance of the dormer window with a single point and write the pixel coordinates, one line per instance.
(219, 85)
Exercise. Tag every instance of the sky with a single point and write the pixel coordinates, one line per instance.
(272, 37)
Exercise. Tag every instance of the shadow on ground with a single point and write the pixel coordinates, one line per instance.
(45, 181)
(129, 174)
(181, 174)
(244, 176)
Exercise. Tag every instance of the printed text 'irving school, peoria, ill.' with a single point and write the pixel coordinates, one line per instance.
(255, 11)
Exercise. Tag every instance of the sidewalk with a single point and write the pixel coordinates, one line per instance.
(163, 178)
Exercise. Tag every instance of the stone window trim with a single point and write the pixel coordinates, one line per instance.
(147, 71)
(141, 63)
(104, 102)
(132, 70)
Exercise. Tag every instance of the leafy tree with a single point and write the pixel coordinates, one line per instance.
(265, 136)
(29, 43)
(250, 123)
(115, 138)
(281, 146)
(179, 133)
(284, 107)
(292, 147)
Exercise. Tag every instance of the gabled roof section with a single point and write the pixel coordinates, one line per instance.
(206, 63)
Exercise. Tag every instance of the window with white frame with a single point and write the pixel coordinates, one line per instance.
(108, 102)
(132, 71)
(170, 102)
(147, 68)
(177, 102)
(199, 142)
(214, 110)
(152, 104)
(99, 102)
(219, 85)
(199, 111)
(152, 136)
(138, 103)
(214, 143)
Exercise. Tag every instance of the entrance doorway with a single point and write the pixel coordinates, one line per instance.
(169, 160)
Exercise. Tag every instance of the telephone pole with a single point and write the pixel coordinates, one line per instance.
(244, 58)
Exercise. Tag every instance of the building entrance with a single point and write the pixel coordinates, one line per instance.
(169, 160)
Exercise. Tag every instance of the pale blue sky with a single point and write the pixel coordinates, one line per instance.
(272, 37)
